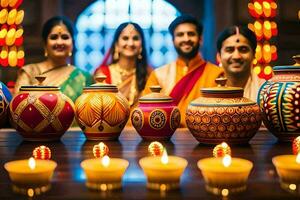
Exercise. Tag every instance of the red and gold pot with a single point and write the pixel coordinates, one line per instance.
(222, 114)
(41, 113)
(156, 117)
(102, 111)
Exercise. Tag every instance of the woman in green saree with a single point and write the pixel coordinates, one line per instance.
(57, 36)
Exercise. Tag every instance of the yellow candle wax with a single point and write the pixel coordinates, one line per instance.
(288, 170)
(104, 175)
(22, 174)
(221, 178)
(161, 175)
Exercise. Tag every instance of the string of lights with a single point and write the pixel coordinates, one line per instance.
(11, 33)
(265, 29)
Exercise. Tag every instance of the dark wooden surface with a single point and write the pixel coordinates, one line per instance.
(69, 181)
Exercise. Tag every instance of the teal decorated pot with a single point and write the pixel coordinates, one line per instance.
(5, 98)
(222, 114)
(156, 117)
(279, 101)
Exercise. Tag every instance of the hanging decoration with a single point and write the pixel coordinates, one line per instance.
(265, 29)
(11, 33)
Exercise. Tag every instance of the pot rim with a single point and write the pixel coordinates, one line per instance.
(39, 88)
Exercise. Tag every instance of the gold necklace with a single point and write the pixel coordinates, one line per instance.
(124, 72)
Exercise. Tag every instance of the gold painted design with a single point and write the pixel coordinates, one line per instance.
(175, 119)
(137, 119)
(49, 117)
(157, 119)
(94, 107)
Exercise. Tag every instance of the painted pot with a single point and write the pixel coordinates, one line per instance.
(102, 111)
(279, 100)
(5, 98)
(41, 113)
(156, 117)
(222, 114)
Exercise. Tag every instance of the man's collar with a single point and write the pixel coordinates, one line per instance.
(196, 61)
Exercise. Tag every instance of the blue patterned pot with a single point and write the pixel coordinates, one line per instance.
(279, 101)
(5, 98)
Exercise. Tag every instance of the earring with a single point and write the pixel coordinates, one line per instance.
(70, 54)
(116, 54)
(46, 54)
(140, 55)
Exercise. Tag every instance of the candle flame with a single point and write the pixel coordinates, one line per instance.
(164, 158)
(31, 163)
(298, 158)
(226, 160)
(105, 161)
(224, 145)
(101, 145)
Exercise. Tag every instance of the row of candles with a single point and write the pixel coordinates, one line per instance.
(223, 174)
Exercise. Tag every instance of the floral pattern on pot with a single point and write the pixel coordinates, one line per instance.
(175, 119)
(213, 125)
(137, 119)
(157, 119)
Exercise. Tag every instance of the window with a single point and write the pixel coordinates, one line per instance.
(96, 25)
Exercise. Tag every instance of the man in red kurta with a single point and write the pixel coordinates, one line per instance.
(183, 78)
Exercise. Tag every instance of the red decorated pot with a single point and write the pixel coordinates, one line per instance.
(41, 113)
(102, 111)
(222, 114)
(156, 117)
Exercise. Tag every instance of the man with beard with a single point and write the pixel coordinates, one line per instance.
(236, 49)
(183, 78)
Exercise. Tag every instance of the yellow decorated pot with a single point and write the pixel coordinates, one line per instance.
(222, 114)
(101, 111)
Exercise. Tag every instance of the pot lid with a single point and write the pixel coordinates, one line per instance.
(295, 67)
(100, 85)
(223, 89)
(155, 96)
(40, 86)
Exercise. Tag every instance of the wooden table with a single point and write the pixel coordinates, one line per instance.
(69, 181)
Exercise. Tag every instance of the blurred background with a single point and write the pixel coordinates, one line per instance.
(95, 22)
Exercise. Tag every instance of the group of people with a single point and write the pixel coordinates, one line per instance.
(126, 66)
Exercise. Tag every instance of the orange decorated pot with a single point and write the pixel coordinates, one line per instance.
(41, 113)
(222, 114)
(102, 111)
(156, 117)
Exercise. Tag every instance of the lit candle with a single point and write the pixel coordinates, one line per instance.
(163, 172)
(33, 175)
(104, 173)
(225, 175)
(288, 169)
